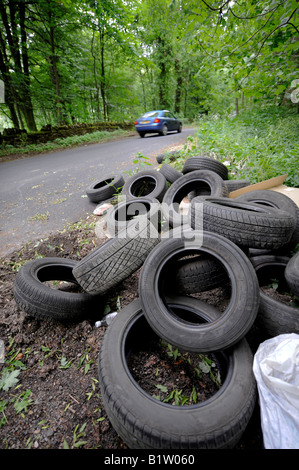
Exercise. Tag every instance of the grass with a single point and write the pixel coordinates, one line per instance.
(62, 143)
(258, 144)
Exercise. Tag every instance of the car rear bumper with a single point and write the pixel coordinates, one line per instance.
(157, 127)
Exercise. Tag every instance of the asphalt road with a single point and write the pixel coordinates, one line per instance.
(40, 195)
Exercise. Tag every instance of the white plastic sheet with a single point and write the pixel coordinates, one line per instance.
(276, 369)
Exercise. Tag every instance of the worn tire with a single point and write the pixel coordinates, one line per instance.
(146, 183)
(292, 274)
(118, 216)
(197, 275)
(170, 173)
(233, 185)
(274, 317)
(248, 225)
(280, 201)
(205, 163)
(41, 301)
(171, 156)
(117, 258)
(105, 188)
(146, 423)
(237, 318)
(201, 181)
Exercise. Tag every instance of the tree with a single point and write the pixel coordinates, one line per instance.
(14, 63)
(256, 40)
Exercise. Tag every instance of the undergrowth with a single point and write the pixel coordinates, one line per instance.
(258, 144)
(62, 143)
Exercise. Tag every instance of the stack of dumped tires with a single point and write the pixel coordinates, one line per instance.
(217, 241)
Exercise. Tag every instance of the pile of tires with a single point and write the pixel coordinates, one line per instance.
(217, 241)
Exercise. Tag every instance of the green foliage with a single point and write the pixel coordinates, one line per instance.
(84, 61)
(62, 143)
(9, 383)
(259, 143)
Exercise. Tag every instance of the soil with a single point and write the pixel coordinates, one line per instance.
(56, 402)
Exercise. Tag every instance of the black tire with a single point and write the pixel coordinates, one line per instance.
(200, 181)
(199, 275)
(118, 217)
(164, 130)
(142, 134)
(105, 188)
(146, 423)
(160, 158)
(39, 300)
(248, 225)
(180, 128)
(292, 274)
(278, 200)
(205, 163)
(170, 173)
(274, 317)
(171, 156)
(146, 183)
(233, 185)
(237, 318)
(117, 258)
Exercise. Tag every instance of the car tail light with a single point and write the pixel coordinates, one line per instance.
(156, 120)
(136, 122)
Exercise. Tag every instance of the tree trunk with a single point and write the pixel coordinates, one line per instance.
(55, 77)
(103, 78)
(95, 78)
(16, 73)
(178, 91)
(9, 94)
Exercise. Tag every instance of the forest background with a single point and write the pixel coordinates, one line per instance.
(230, 67)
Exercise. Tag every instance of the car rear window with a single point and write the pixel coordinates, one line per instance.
(151, 114)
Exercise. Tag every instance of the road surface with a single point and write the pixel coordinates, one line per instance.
(40, 195)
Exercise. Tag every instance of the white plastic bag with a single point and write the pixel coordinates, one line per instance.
(276, 369)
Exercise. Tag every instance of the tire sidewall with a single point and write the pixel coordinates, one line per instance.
(206, 177)
(239, 314)
(158, 179)
(181, 423)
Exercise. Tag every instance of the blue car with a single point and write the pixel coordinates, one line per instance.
(159, 122)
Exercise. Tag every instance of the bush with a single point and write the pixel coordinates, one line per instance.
(257, 144)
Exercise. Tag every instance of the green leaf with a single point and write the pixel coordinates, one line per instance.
(9, 379)
(162, 388)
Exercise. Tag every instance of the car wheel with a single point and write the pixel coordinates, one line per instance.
(142, 134)
(180, 128)
(164, 130)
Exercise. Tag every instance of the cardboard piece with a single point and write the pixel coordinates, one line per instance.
(274, 184)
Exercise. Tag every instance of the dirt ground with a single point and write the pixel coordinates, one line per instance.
(56, 402)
